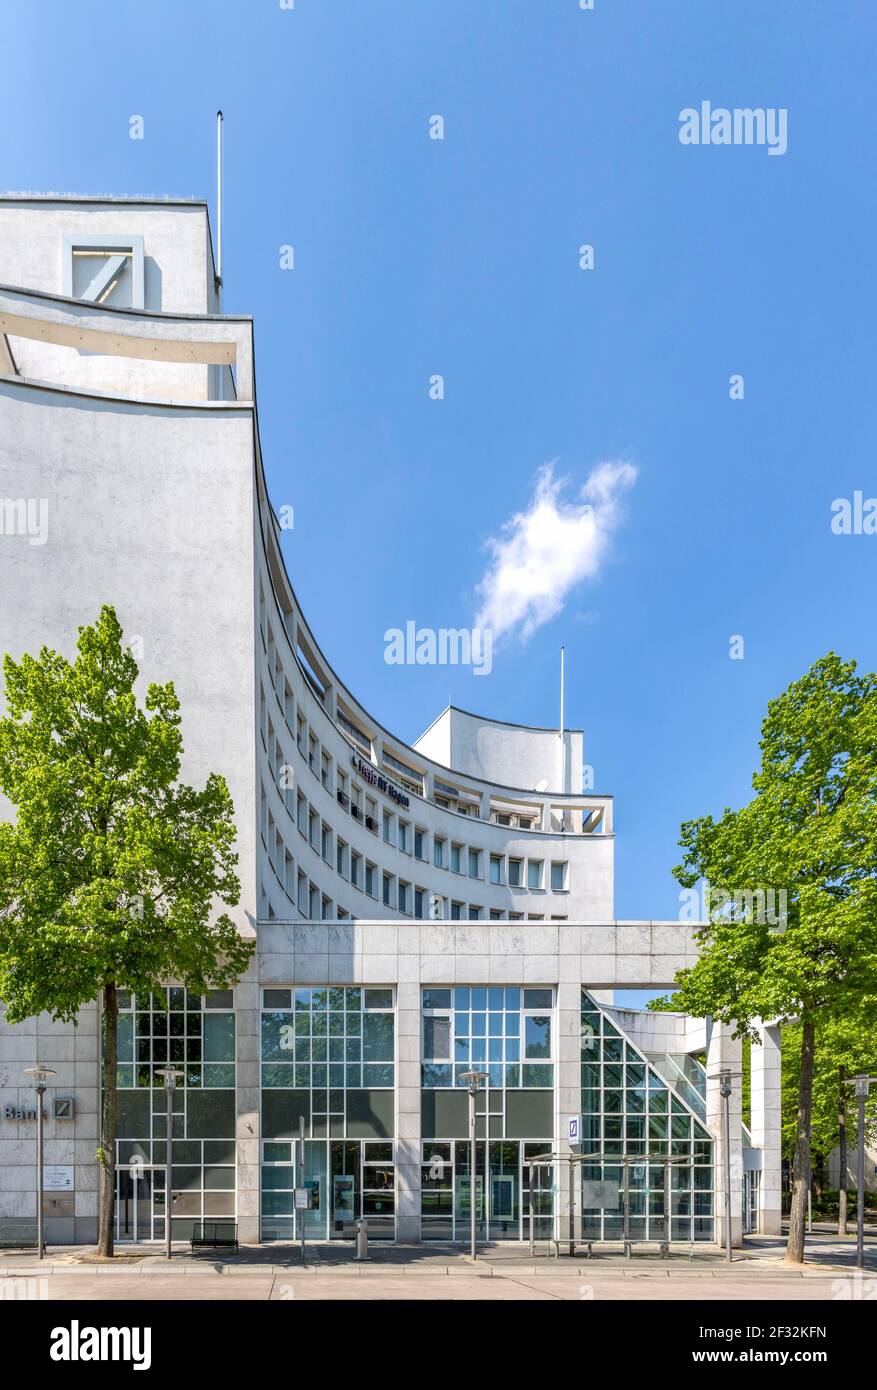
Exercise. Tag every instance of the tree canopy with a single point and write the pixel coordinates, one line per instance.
(113, 871)
(810, 834)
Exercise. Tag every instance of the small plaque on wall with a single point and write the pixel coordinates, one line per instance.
(58, 1177)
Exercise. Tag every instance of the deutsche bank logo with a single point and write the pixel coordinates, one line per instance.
(574, 1130)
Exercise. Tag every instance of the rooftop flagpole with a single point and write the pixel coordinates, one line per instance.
(562, 739)
(219, 197)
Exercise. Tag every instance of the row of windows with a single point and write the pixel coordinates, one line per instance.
(520, 873)
(362, 873)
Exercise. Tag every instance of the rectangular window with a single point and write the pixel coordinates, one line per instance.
(355, 868)
(474, 863)
(288, 874)
(404, 896)
(456, 912)
(534, 873)
(438, 852)
(326, 843)
(456, 859)
(558, 876)
(388, 828)
(436, 1039)
(387, 889)
(419, 900)
(340, 858)
(419, 844)
(537, 1037)
(403, 836)
(496, 868)
(516, 873)
(371, 874)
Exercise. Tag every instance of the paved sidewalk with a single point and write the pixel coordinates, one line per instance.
(501, 1273)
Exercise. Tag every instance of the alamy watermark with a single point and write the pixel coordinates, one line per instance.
(763, 906)
(20, 1289)
(744, 125)
(444, 646)
(856, 517)
(25, 516)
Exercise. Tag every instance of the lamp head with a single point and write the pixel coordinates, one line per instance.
(170, 1075)
(40, 1075)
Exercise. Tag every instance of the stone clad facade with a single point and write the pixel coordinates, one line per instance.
(419, 909)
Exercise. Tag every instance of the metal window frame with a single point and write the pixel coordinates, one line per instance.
(132, 245)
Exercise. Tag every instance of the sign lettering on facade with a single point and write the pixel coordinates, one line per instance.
(377, 779)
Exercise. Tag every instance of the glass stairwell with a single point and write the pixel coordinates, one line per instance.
(687, 1077)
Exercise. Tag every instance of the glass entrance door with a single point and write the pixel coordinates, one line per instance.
(345, 1187)
(139, 1203)
(750, 1202)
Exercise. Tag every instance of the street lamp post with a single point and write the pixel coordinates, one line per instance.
(725, 1093)
(863, 1085)
(169, 1076)
(725, 1078)
(473, 1081)
(40, 1077)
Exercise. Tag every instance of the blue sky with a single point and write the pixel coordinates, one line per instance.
(460, 257)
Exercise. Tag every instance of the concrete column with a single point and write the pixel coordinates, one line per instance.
(723, 1050)
(767, 1126)
(568, 1094)
(247, 1127)
(408, 1123)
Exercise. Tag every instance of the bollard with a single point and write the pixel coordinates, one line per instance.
(362, 1240)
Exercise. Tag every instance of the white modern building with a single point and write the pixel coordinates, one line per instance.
(420, 910)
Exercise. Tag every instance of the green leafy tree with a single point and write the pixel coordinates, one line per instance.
(810, 831)
(112, 871)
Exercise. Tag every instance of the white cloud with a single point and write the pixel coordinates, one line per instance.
(545, 551)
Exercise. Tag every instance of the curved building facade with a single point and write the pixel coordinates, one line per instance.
(421, 910)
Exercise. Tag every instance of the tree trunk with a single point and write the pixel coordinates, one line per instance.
(108, 1125)
(842, 1145)
(801, 1161)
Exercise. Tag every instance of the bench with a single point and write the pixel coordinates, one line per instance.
(213, 1234)
(663, 1247)
(18, 1234)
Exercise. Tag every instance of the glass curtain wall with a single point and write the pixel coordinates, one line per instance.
(507, 1033)
(328, 1058)
(195, 1033)
(629, 1111)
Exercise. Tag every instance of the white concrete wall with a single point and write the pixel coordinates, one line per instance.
(178, 268)
(178, 278)
(150, 509)
(510, 755)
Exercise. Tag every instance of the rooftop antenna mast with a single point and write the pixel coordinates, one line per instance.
(562, 739)
(218, 199)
